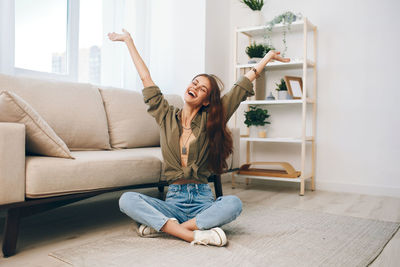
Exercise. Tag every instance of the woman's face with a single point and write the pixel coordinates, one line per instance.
(198, 91)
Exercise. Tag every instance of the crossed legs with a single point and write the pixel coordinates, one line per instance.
(156, 213)
(183, 231)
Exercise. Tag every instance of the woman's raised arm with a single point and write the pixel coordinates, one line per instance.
(271, 55)
(137, 60)
(158, 105)
(243, 87)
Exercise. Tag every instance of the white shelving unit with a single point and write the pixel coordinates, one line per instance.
(280, 65)
(257, 32)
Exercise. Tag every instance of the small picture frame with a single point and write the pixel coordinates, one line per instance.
(294, 86)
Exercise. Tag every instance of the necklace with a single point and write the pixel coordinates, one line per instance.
(184, 151)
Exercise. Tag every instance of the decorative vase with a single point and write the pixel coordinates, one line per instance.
(282, 94)
(262, 132)
(270, 96)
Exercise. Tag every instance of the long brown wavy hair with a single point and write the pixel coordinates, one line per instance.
(219, 136)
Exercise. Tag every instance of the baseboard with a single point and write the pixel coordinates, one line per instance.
(375, 190)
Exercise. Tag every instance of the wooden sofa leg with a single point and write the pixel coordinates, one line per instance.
(218, 186)
(11, 231)
(161, 188)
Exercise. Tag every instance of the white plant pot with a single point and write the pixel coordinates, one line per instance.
(282, 95)
(259, 17)
(253, 131)
(258, 131)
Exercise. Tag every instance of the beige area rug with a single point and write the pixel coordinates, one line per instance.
(261, 236)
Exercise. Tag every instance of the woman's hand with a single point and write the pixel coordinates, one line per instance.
(274, 55)
(122, 37)
(259, 67)
(136, 58)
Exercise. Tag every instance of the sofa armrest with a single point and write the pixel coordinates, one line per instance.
(12, 162)
(233, 160)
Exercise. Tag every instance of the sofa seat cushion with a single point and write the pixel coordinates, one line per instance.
(49, 176)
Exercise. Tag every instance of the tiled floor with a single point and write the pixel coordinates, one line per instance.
(87, 220)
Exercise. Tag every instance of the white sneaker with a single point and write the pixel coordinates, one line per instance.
(215, 236)
(147, 231)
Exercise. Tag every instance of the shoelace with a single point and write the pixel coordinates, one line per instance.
(207, 240)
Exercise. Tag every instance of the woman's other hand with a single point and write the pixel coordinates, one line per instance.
(122, 37)
(274, 55)
(259, 67)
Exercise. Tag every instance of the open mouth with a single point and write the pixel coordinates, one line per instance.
(192, 94)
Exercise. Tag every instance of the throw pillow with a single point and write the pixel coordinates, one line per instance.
(40, 137)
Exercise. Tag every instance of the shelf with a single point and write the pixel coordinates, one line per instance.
(296, 180)
(298, 63)
(277, 65)
(276, 139)
(259, 31)
(276, 102)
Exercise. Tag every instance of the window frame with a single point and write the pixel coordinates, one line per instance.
(7, 47)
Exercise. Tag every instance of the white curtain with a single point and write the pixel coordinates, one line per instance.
(177, 42)
(169, 35)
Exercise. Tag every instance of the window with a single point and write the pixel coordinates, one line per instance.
(67, 40)
(41, 35)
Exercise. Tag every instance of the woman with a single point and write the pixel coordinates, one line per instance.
(195, 143)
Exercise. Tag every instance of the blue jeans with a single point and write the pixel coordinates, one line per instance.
(182, 202)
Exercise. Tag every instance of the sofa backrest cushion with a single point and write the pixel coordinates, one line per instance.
(40, 138)
(129, 123)
(75, 111)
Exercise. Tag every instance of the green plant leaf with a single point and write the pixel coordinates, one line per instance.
(258, 50)
(281, 86)
(256, 116)
(253, 4)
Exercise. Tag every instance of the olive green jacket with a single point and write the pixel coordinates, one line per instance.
(169, 119)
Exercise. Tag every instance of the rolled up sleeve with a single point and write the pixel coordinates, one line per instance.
(242, 89)
(158, 105)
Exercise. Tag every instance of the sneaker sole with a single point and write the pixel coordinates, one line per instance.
(141, 228)
(140, 231)
(221, 234)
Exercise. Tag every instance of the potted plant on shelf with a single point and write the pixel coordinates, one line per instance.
(256, 121)
(257, 51)
(286, 19)
(282, 90)
(256, 6)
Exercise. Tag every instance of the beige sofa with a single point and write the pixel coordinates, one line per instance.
(112, 139)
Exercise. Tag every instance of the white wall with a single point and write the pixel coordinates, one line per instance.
(358, 122)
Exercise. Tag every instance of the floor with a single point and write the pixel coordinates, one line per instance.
(87, 220)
